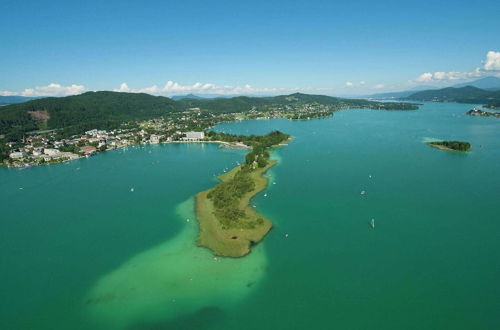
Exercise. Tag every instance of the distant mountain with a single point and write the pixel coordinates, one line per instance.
(390, 95)
(488, 83)
(14, 99)
(467, 94)
(398, 95)
(212, 96)
(187, 96)
(483, 83)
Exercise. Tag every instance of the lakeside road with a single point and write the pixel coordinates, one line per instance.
(234, 242)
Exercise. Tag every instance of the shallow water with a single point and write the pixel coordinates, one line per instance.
(79, 250)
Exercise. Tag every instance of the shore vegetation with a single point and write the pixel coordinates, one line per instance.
(451, 145)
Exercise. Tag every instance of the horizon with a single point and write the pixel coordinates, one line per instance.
(225, 48)
(415, 89)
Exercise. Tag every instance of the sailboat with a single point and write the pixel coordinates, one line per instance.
(372, 223)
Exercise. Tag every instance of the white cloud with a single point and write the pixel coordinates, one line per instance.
(441, 76)
(424, 77)
(349, 84)
(492, 61)
(7, 93)
(123, 88)
(172, 88)
(53, 90)
(362, 83)
(49, 90)
(379, 86)
(491, 66)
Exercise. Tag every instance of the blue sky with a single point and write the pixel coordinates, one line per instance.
(252, 47)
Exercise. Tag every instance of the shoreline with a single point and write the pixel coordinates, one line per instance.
(221, 143)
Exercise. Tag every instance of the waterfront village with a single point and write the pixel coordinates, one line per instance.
(51, 146)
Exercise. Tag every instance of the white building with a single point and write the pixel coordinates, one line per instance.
(194, 136)
(154, 139)
(17, 155)
(92, 132)
(51, 152)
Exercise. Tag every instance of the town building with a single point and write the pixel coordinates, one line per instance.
(88, 150)
(51, 152)
(194, 136)
(17, 155)
(154, 139)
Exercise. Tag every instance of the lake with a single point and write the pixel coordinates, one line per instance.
(109, 242)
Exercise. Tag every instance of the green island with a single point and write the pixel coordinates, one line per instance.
(450, 145)
(229, 226)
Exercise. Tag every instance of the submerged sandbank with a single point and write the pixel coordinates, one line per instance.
(172, 280)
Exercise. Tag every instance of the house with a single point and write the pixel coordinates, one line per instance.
(69, 155)
(194, 136)
(91, 132)
(88, 150)
(154, 139)
(37, 152)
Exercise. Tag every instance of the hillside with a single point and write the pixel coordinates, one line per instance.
(468, 94)
(104, 110)
(82, 112)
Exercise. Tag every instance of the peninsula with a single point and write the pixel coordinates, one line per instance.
(450, 145)
(229, 226)
(480, 113)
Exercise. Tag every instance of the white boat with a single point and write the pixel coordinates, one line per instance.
(363, 192)
(372, 223)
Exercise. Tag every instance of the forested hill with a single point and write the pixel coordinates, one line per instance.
(104, 110)
(468, 94)
(82, 112)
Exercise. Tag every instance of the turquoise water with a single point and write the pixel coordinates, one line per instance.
(80, 250)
